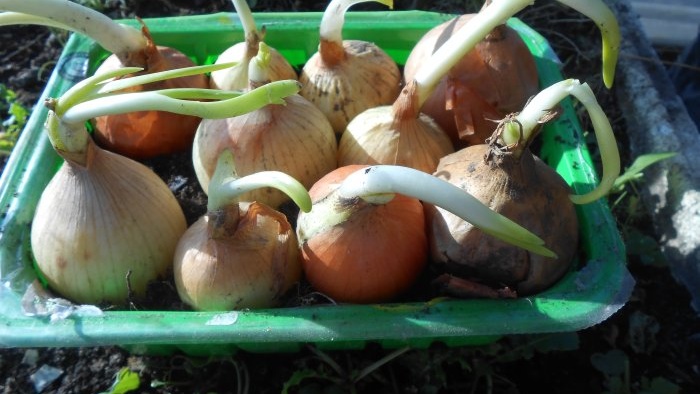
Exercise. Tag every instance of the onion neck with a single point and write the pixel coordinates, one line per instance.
(406, 107)
(331, 28)
(223, 223)
(225, 186)
(252, 36)
(524, 125)
(112, 36)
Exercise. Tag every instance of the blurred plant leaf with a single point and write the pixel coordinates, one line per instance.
(634, 172)
(124, 382)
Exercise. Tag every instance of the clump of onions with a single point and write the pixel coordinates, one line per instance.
(105, 226)
(138, 134)
(240, 254)
(236, 77)
(295, 138)
(401, 134)
(364, 240)
(495, 78)
(509, 179)
(346, 77)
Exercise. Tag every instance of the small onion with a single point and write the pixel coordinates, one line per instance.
(236, 77)
(239, 255)
(295, 138)
(397, 135)
(346, 77)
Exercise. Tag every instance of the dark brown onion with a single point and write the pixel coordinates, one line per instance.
(520, 186)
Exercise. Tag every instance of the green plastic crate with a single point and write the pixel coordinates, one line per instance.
(583, 298)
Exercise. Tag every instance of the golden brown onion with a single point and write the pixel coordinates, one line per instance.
(105, 227)
(242, 256)
(346, 77)
(362, 252)
(146, 134)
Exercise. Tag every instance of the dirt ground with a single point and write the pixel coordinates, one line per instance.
(651, 345)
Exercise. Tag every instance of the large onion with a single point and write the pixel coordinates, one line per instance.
(104, 228)
(509, 179)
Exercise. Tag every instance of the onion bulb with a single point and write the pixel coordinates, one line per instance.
(240, 254)
(346, 77)
(106, 225)
(497, 77)
(295, 138)
(236, 77)
(509, 179)
(138, 134)
(364, 240)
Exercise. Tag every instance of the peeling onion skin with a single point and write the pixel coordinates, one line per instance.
(494, 79)
(246, 263)
(374, 256)
(146, 134)
(343, 82)
(295, 138)
(526, 191)
(104, 223)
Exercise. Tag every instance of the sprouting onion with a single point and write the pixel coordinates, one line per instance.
(137, 134)
(498, 76)
(236, 78)
(295, 138)
(346, 77)
(105, 226)
(239, 254)
(364, 239)
(509, 179)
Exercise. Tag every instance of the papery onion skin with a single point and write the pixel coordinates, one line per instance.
(495, 78)
(250, 264)
(359, 76)
(294, 138)
(102, 231)
(374, 256)
(396, 135)
(147, 134)
(526, 191)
